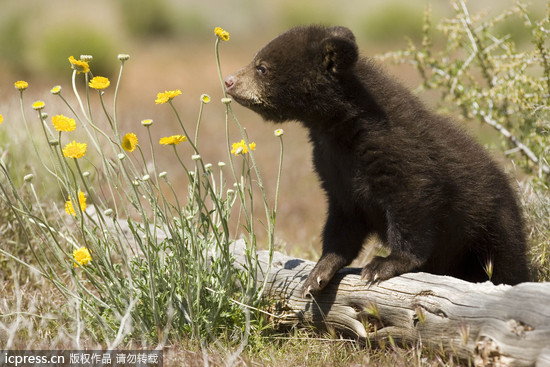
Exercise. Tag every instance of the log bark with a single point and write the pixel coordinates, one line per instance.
(486, 324)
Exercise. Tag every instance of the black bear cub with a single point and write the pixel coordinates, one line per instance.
(389, 166)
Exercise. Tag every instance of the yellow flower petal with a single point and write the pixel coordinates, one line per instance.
(129, 142)
(172, 140)
(167, 96)
(81, 256)
(74, 150)
(241, 148)
(63, 123)
(38, 105)
(99, 82)
(56, 89)
(79, 65)
(21, 85)
(221, 33)
(69, 205)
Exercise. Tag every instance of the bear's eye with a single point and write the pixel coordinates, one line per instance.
(261, 69)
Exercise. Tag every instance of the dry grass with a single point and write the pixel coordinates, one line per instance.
(300, 348)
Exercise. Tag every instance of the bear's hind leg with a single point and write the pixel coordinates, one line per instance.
(383, 268)
(411, 245)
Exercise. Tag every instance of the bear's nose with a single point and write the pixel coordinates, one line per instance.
(230, 82)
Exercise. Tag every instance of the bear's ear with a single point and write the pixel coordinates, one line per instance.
(339, 31)
(340, 51)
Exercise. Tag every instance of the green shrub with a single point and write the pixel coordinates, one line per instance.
(480, 72)
(58, 43)
(395, 21)
(13, 41)
(151, 18)
(296, 13)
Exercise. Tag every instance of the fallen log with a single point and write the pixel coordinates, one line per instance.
(486, 324)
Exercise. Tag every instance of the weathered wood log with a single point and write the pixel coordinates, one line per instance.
(483, 323)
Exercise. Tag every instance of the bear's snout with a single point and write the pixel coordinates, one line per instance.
(230, 82)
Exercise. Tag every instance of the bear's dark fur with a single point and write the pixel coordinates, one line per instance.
(389, 166)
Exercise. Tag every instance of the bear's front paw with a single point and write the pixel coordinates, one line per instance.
(314, 283)
(379, 268)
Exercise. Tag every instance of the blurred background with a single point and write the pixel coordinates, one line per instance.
(171, 43)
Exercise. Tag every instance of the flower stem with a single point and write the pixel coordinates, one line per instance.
(115, 98)
(198, 125)
(78, 95)
(219, 66)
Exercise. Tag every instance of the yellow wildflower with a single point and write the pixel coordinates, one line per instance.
(1, 118)
(221, 33)
(278, 132)
(146, 122)
(129, 142)
(63, 123)
(167, 96)
(21, 85)
(81, 256)
(56, 89)
(38, 105)
(172, 140)
(241, 148)
(99, 82)
(205, 98)
(74, 150)
(79, 65)
(69, 205)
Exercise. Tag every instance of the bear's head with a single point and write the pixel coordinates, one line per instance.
(298, 75)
